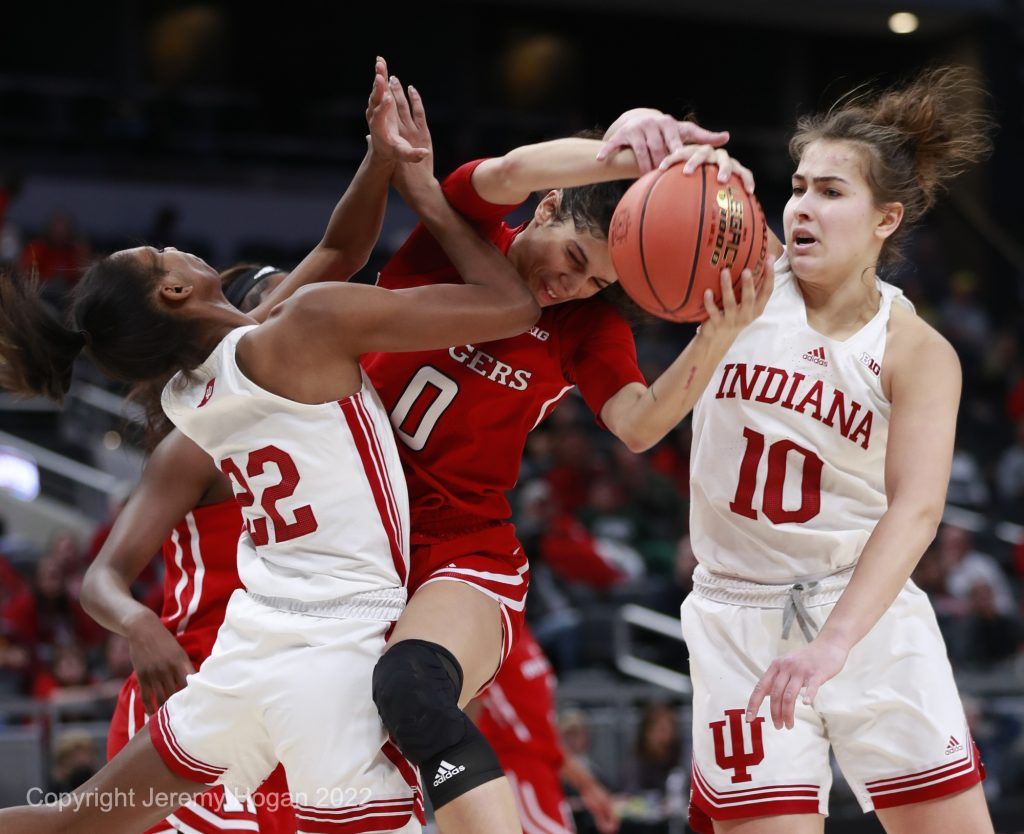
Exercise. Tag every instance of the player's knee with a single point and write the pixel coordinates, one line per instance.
(416, 686)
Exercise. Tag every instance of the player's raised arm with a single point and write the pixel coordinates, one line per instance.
(638, 141)
(177, 477)
(355, 223)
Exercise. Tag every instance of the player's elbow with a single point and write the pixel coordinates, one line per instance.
(89, 593)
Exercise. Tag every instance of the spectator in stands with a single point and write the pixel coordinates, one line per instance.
(963, 320)
(654, 503)
(989, 636)
(658, 749)
(60, 618)
(75, 759)
(59, 255)
(17, 625)
(967, 567)
(576, 467)
(671, 458)
(967, 487)
(1010, 475)
(932, 576)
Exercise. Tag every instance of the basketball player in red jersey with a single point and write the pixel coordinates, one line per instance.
(462, 416)
(516, 714)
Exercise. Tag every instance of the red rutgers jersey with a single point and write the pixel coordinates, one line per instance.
(518, 709)
(462, 414)
(200, 574)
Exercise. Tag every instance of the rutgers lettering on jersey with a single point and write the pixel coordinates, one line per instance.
(462, 413)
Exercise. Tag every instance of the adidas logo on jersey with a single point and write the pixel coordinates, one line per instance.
(954, 746)
(817, 356)
(446, 771)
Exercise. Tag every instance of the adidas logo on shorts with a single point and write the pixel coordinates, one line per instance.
(446, 771)
(954, 746)
(817, 356)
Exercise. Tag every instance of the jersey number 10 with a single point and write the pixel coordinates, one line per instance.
(305, 522)
(771, 502)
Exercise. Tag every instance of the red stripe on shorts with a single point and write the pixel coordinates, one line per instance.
(928, 784)
(376, 815)
(771, 800)
(378, 477)
(174, 755)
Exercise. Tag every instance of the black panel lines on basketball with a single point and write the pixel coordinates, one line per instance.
(748, 222)
(643, 260)
(700, 237)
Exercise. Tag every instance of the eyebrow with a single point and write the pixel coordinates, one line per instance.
(830, 178)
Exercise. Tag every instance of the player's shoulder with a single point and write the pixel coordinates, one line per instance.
(589, 314)
(913, 345)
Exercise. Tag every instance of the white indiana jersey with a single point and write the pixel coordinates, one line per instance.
(787, 476)
(321, 486)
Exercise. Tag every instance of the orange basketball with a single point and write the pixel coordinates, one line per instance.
(672, 234)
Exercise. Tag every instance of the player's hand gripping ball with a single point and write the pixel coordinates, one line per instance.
(672, 234)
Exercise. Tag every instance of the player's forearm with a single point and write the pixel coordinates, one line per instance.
(560, 163)
(889, 557)
(356, 221)
(577, 774)
(669, 398)
(477, 261)
(107, 598)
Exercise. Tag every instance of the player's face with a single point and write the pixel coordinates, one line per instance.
(832, 224)
(559, 263)
(190, 270)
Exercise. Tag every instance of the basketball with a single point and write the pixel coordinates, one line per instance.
(672, 234)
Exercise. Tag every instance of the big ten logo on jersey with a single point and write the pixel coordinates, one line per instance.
(871, 363)
(729, 232)
(793, 391)
(490, 368)
(733, 753)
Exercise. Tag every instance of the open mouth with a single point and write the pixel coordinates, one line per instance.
(802, 241)
(548, 294)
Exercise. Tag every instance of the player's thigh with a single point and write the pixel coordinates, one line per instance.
(955, 814)
(895, 720)
(325, 729)
(791, 824)
(464, 620)
(745, 770)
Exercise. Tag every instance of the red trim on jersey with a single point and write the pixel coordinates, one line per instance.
(928, 784)
(375, 815)
(174, 755)
(409, 773)
(707, 804)
(368, 446)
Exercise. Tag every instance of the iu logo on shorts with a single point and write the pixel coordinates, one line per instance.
(739, 758)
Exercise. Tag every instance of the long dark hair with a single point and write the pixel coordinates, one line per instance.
(112, 317)
(914, 139)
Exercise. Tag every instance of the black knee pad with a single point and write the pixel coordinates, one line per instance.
(416, 686)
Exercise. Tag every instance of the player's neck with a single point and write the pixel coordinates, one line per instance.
(840, 308)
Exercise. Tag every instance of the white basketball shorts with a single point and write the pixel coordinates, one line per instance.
(294, 686)
(892, 715)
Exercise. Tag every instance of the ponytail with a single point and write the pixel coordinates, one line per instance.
(37, 350)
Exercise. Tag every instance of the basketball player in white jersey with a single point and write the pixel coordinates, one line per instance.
(286, 412)
(821, 453)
